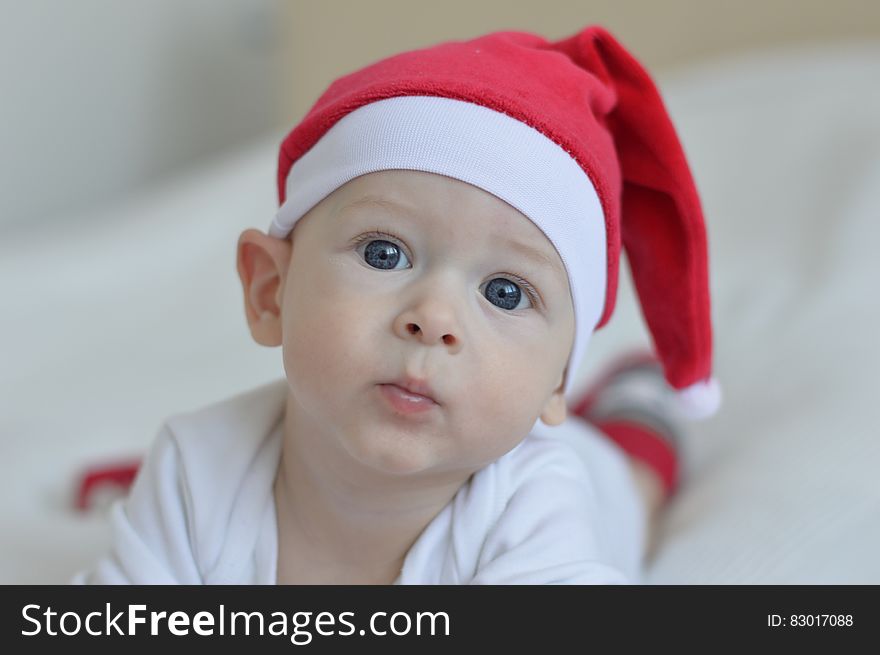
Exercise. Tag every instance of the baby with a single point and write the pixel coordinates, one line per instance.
(447, 241)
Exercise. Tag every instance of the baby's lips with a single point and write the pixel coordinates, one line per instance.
(416, 386)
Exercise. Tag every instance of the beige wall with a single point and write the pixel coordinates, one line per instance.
(327, 38)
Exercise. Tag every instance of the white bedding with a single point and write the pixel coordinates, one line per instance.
(115, 320)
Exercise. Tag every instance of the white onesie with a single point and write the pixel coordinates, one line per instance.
(560, 507)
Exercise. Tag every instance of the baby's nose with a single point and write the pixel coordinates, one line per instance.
(449, 339)
(431, 324)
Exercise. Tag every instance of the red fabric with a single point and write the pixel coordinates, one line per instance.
(582, 407)
(641, 443)
(595, 100)
(120, 475)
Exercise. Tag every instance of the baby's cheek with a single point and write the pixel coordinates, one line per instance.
(503, 410)
(323, 341)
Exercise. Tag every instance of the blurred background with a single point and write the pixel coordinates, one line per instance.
(103, 98)
(138, 139)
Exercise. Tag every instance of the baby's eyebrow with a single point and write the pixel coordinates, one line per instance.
(530, 252)
(384, 203)
(537, 256)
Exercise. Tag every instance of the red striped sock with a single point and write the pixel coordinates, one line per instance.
(641, 442)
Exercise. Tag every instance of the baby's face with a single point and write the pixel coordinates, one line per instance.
(404, 273)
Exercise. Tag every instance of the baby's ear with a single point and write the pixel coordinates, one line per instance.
(556, 409)
(262, 263)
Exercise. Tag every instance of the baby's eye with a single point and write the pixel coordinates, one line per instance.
(504, 293)
(501, 292)
(383, 254)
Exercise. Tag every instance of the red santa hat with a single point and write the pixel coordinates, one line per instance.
(572, 133)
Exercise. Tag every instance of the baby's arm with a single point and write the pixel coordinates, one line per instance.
(150, 535)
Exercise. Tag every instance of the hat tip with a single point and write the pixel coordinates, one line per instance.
(701, 400)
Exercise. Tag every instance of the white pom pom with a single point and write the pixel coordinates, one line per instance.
(700, 400)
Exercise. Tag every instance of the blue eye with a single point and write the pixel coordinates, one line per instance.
(382, 254)
(503, 293)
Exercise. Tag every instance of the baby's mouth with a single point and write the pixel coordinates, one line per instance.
(404, 401)
(415, 387)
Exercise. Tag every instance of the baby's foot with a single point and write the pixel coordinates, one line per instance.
(632, 403)
(115, 478)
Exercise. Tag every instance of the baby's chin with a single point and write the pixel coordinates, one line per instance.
(418, 456)
(398, 456)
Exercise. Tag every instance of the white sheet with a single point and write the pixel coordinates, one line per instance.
(115, 320)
